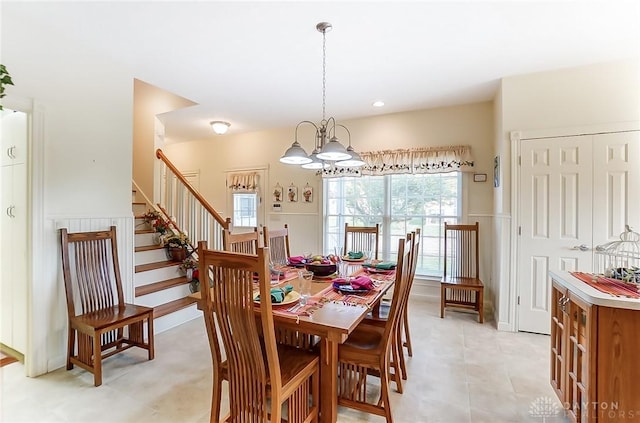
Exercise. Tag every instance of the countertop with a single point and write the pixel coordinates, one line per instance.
(592, 295)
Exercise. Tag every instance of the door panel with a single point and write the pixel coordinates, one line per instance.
(574, 191)
(617, 186)
(555, 204)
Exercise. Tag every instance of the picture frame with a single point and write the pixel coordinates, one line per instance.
(292, 193)
(277, 193)
(307, 193)
(479, 177)
(496, 171)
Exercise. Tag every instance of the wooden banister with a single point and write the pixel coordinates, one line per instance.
(225, 223)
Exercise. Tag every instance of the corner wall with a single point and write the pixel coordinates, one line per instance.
(566, 98)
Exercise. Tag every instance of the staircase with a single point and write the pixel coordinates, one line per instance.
(158, 282)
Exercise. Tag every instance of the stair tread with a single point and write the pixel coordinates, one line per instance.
(144, 231)
(148, 248)
(172, 306)
(161, 285)
(156, 265)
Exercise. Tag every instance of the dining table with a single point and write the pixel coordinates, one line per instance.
(331, 315)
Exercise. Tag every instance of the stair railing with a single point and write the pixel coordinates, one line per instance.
(187, 208)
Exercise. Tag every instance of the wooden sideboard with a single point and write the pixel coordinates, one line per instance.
(595, 352)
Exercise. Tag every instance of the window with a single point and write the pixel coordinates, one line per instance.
(245, 209)
(400, 203)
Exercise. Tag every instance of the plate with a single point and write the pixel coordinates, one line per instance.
(348, 289)
(374, 270)
(331, 276)
(346, 258)
(291, 297)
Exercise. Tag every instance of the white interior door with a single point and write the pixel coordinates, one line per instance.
(556, 214)
(575, 193)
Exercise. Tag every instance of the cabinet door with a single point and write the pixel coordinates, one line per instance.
(14, 137)
(579, 392)
(559, 301)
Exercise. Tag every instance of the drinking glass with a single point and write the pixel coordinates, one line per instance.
(305, 277)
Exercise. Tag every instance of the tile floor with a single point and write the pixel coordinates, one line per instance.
(461, 371)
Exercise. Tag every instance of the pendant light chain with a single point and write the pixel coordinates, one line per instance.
(327, 147)
(324, 73)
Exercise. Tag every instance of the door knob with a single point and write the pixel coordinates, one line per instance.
(581, 247)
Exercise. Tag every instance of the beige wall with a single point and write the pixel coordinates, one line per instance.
(149, 101)
(470, 124)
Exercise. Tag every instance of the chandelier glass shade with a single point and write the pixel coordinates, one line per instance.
(327, 147)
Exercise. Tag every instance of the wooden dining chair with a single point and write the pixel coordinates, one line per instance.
(243, 242)
(361, 239)
(381, 313)
(277, 240)
(262, 374)
(368, 350)
(461, 285)
(100, 323)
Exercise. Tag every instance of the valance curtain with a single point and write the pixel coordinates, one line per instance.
(415, 160)
(243, 181)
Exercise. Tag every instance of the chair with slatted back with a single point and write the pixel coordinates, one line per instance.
(277, 240)
(461, 285)
(369, 348)
(101, 324)
(243, 242)
(361, 239)
(381, 313)
(262, 374)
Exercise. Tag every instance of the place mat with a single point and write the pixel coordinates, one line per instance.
(389, 275)
(610, 286)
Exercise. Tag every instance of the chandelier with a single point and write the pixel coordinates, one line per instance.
(327, 149)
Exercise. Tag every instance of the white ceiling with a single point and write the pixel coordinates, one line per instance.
(258, 65)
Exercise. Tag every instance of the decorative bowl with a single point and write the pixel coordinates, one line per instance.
(322, 269)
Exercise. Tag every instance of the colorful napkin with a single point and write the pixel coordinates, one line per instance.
(278, 294)
(383, 265)
(359, 282)
(355, 255)
(293, 260)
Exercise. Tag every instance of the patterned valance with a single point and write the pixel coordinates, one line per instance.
(415, 160)
(243, 181)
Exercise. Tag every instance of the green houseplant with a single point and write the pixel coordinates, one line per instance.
(5, 79)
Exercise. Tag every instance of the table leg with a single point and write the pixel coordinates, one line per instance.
(328, 381)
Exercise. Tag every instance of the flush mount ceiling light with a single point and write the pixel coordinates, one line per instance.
(378, 103)
(327, 147)
(220, 127)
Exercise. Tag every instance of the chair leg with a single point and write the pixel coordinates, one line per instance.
(442, 300)
(480, 299)
(216, 399)
(150, 336)
(397, 372)
(71, 343)
(400, 352)
(384, 394)
(97, 359)
(407, 335)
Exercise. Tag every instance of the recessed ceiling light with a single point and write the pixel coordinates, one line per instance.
(378, 103)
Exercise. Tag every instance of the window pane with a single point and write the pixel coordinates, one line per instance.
(245, 209)
(399, 203)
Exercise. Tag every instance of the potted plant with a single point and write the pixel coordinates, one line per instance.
(5, 79)
(150, 217)
(189, 265)
(177, 244)
(194, 285)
